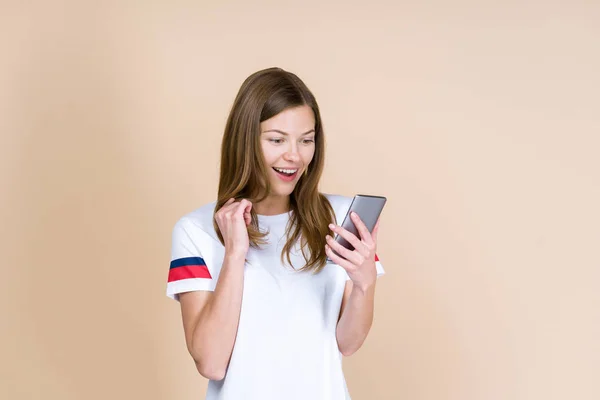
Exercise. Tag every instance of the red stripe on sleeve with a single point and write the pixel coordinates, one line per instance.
(189, 271)
(376, 258)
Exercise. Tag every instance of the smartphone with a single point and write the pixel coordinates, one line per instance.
(368, 209)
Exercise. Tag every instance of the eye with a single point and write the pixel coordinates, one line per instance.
(308, 141)
(276, 140)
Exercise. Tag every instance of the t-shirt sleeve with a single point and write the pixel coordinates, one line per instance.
(379, 266)
(188, 271)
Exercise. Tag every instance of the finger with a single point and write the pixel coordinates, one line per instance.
(228, 202)
(375, 231)
(241, 207)
(224, 206)
(234, 210)
(349, 255)
(248, 214)
(347, 265)
(362, 228)
(228, 206)
(351, 238)
(244, 210)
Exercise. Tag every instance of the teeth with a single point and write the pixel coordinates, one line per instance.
(286, 171)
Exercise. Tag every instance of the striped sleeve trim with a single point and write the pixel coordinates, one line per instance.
(188, 268)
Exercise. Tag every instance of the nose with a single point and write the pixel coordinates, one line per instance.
(292, 154)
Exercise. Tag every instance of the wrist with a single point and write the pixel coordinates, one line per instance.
(235, 257)
(363, 289)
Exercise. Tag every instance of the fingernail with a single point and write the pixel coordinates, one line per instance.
(331, 226)
(353, 214)
(327, 237)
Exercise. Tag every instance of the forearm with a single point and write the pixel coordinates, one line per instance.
(356, 319)
(216, 328)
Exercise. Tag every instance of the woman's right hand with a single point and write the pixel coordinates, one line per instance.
(233, 219)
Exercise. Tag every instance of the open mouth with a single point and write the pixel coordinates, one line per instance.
(288, 173)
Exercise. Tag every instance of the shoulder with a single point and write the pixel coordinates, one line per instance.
(199, 220)
(340, 204)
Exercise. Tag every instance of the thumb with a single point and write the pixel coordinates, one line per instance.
(247, 214)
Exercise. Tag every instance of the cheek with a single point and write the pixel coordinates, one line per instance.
(270, 154)
(308, 154)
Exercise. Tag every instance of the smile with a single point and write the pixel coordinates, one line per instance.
(285, 171)
(286, 175)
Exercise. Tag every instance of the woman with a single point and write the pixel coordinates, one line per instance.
(265, 315)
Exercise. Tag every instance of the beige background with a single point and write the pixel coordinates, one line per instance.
(479, 120)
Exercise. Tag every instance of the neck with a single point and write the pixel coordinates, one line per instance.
(273, 205)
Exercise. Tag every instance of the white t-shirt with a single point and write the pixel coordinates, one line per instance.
(286, 345)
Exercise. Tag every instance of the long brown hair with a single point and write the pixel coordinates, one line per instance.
(243, 172)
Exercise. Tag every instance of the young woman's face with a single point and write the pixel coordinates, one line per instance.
(288, 144)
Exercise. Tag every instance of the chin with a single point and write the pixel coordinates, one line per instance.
(282, 193)
(279, 191)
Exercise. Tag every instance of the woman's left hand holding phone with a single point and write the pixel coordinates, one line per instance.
(360, 262)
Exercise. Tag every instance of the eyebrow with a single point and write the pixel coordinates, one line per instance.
(287, 134)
